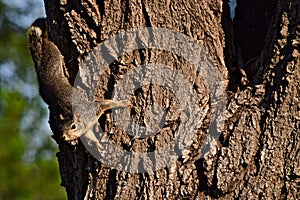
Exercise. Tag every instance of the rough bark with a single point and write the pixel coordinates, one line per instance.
(257, 155)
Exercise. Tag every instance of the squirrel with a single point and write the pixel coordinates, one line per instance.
(49, 64)
(84, 119)
(56, 90)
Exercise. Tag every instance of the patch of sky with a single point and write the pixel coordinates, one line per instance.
(232, 4)
(28, 11)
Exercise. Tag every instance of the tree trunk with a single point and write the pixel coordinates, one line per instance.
(248, 150)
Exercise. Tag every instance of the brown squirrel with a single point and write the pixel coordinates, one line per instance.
(56, 90)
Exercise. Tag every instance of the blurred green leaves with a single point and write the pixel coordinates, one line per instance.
(28, 166)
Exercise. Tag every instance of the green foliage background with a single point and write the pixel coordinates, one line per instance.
(28, 166)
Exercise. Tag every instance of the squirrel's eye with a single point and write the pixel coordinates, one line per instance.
(73, 126)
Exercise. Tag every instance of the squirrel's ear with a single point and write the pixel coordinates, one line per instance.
(61, 117)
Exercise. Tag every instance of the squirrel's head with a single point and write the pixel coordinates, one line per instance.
(63, 125)
(74, 130)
